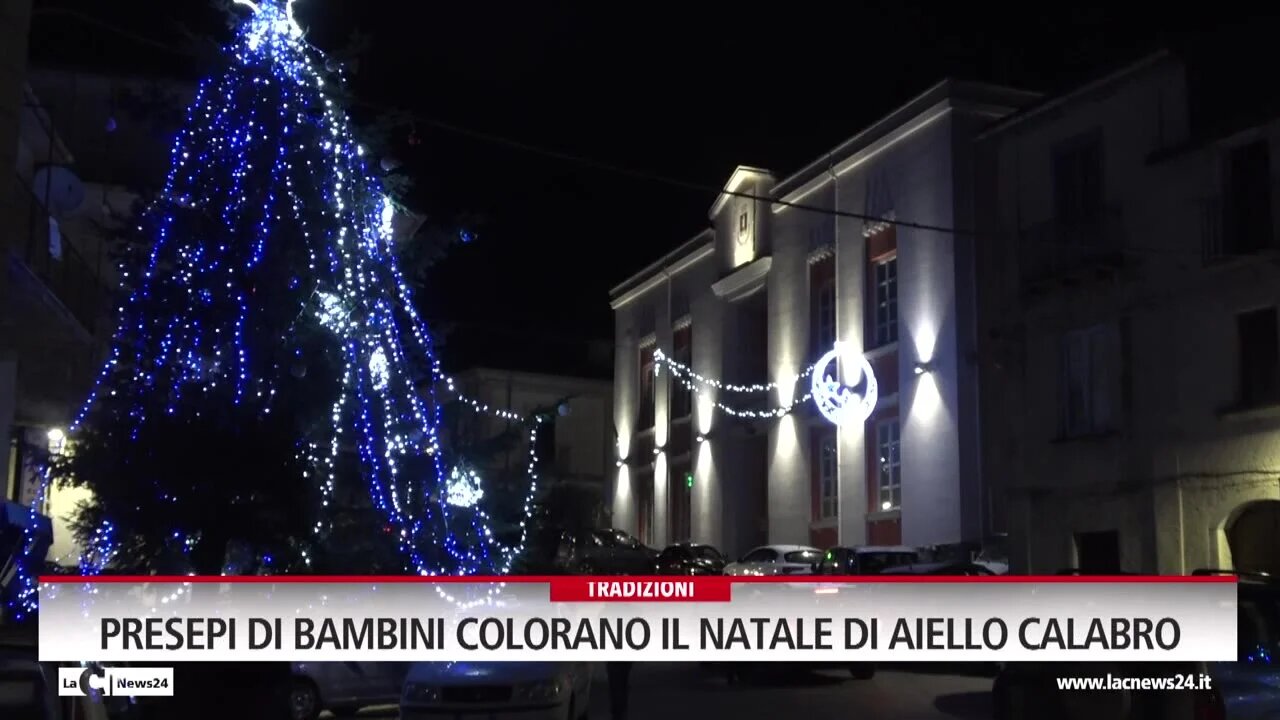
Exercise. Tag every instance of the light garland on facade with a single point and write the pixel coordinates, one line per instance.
(705, 386)
(359, 296)
(745, 413)
(660, 358)
(837, 402)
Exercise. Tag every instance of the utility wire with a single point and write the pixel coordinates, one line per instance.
(510, 331)
(626, 171)
(540, 150)
(89, 19)
(655, 177)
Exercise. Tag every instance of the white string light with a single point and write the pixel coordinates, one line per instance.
(472, 403)
(464, 488)
(661, 358)
(748, 413)
(702, 385)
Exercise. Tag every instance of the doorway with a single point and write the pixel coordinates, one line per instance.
(1098, 553)
(1254, 537)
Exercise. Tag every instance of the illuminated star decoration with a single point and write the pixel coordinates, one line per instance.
(385, 404)
(838, 402)
(464, 488)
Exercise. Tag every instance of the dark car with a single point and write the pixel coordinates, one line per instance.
(941, 568)
(690, 559)
(865, 560)
(606, 552)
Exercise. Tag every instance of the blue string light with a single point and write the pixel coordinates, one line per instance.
(272, 101)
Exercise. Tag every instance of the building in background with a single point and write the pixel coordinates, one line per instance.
(1131, 335)
(86, 145)
(762, 295)
(574, 443)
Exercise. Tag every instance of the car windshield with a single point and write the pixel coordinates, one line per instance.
(613, 538)
(875, 562)
(807, 557)
(673, 553)
(705, 552)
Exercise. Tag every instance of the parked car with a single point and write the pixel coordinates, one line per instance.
(690, 559)
(1247, 689)
(997, 567)
(776, 560)
(865, 560)
(344, 687)
(940, 568)
(533, 690)
(606, 552)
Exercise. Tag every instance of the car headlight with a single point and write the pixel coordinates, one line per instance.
(421, 693)
(539, 691)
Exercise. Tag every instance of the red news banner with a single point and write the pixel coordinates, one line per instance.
(573, 618)
(615, 589)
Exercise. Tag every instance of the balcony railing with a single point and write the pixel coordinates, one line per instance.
(1059, 248)
(66, 273)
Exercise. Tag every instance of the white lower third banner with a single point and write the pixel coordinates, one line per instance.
(300, 619)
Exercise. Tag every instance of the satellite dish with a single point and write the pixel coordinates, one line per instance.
(58, 188)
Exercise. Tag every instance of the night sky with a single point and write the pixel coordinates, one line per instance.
(686, 91)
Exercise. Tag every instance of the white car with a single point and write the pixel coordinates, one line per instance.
(497, 691)
(776, 560)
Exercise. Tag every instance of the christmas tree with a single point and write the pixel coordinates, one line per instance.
(268, 350)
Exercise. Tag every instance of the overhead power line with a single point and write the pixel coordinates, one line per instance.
(655, 177)
(621, 170)
(545, 151)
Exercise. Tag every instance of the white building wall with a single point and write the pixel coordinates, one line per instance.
(625, 394)
(921, 178)
(649, 315)
(790, 508)
(914, 153)
(851, 310)
(708, 498)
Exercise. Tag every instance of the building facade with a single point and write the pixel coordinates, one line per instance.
(1130, 350)
(717, 439)
(15, 17)
(80, 155)
(574, 441)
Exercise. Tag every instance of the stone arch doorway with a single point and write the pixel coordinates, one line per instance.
(1253, 533)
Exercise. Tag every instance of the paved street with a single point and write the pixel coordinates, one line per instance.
(675, 692)
(688, 692)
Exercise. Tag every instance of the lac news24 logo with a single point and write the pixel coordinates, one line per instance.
(121, 681)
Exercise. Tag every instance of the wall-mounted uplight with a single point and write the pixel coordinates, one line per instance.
(621, 462)
(886, 505)
(701, 438)
(657, 451)
(923, 368)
